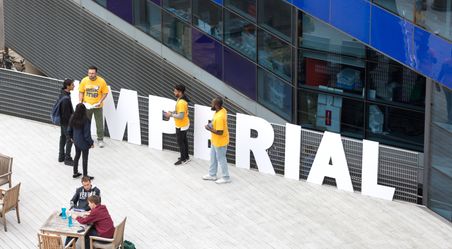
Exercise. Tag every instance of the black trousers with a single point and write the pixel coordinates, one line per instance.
(182, 141)
(65, 144)
(84, 154)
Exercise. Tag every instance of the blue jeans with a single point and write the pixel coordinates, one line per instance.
(218, 156)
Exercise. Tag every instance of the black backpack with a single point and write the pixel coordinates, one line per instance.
(55, 115)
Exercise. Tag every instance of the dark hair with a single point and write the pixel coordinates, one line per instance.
(92, 67)
(86, 179)
(218, 101)
(94, 199)
(180, 88)
(79, 116)
(67, 82)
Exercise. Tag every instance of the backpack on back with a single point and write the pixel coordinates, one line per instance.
(55, 115)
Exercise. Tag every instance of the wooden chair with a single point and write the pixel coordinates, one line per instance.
(51, 241)
(6, 164)
(116, 242)
(9, 201)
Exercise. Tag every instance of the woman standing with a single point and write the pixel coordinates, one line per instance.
(80, 133)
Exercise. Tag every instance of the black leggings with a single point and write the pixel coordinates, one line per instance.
(85, 160)
(182, 141)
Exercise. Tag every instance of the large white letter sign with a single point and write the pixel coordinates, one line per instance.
(331, 148)
(259, 145)
(75, 94)
(201, 135)
(158, 126)
(126, 114)
(369, 185)
(292, 152)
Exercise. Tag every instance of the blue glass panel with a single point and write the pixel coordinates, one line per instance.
(220, 2)
(206, 53)
(240, 73)
(122, 8)
(317, 8)
(392, 35)
(433, 56)
(352, 17)
(275, 94)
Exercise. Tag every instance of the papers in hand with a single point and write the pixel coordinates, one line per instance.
(90, 106)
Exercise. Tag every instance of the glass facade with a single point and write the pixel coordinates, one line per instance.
(295, 65)
(440, 179)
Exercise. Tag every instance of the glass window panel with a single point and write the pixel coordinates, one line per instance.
(180, 8)
(246, 8)
(440, 189)
(147, 17)
(317, 35)
(276, 16)
(123, 9)
(240, 73)
(393, 83)
(240, 34)
(102, 3)
(275, 55)
(330, 112)
(395, 126)
(435, 16)
(176, 35)
(275, 94)
(207, 53)
(207, 17)
(325, 71)
(403, 8)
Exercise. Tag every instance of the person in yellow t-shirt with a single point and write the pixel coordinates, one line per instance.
(93, 91)
(182, 122)
(219, 142)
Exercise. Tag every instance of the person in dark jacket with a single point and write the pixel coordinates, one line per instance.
(80, 198)
(66, 111)
(79, 131)
(99, 217)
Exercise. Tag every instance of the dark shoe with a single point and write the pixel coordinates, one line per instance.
(90, 177)
(60, 159)
(179, 162)
(76, 175)
(69, 162)
(186, 160)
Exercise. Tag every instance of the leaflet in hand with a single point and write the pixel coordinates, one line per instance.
(90, 106)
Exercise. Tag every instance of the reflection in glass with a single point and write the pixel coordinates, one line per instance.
(391, 82)
(147, 17)
(176, 35)
(207, 17)
(317, 35)
(395, 126)
(275, 55)
(435, 16)
(180, 8)
(331, 112)
(240, 34)
(240, 73)
(318, 69)
(276, 16)
(403, 8)
(275, 94)
(440, 189)
(207, 53)
(246, 8)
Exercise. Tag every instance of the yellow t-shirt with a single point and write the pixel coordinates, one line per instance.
(182, 106)
(220, 123)
(93, 89)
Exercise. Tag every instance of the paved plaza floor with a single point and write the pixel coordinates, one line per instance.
(171, 207)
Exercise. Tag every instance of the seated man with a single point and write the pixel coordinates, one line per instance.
(79, 201)
(99, 217)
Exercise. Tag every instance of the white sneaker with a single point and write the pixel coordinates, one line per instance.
(186, 161)
(100, 144)
(209, 178)
(222, 181)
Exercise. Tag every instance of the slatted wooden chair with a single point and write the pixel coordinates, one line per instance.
(51, 241)
(116, 242)
(9, 201)
(6, 164)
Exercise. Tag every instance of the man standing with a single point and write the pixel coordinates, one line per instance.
(182, 122)
(93, 91)
(80, 198)
(219, 142)
(99, 217)
(66, 111)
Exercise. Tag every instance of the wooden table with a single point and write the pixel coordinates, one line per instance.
(59, 226)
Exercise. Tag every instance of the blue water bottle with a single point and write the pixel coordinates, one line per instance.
(69, 221)
(63, 213)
